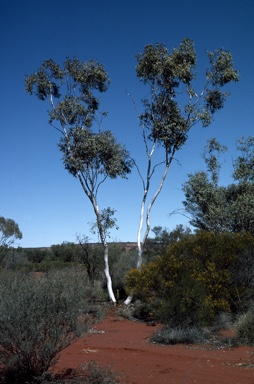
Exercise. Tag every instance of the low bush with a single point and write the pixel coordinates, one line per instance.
(39, 316)
(143, 310)
(93, 373)
(245, 328)
(170, 336)
(126, 312)
(168, 293)
(223, 320)
(196, 279)
(89, 373)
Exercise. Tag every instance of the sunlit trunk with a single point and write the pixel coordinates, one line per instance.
(103, 241)
(105, 247)
(107, 274)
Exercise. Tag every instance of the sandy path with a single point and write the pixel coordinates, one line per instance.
(124, 345)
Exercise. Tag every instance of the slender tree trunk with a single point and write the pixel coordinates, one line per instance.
(148, 212)
(146, 186)
(107, 274)
(102, 238)
(140, 245)
(105, 248)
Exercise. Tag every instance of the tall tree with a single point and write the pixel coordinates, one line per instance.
(90, 156)
(206, 204)
(9, 232)
(219, 208)
(172, 107)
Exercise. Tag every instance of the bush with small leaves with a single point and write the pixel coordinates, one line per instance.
(95, 373)
(89, 373)
(168, 292)
(170, 336)
(245, 328)
(197, 278)
(39, 316)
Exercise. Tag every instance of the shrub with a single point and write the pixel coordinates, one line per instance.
(245, 328)
(197, 278)
(223, 320)
(126, 312)
(144, 310)
(39, 316)
(170, 336)
(37, 255)
(168, 292)
(89, 373)
(94, 373)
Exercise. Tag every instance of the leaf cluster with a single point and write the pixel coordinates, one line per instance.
(93, 154)
(174, 106)
(78, 80)
(244, 164)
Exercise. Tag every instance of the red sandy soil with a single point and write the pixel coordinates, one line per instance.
(125, 346)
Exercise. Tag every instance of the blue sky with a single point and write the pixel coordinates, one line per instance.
(36, 191)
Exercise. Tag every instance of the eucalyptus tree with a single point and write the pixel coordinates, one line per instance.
(90, 155)
(9, 232)
(218, 208)
(206, 203)
(172, 107)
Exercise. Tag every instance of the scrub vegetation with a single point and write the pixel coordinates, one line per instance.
(192, 281)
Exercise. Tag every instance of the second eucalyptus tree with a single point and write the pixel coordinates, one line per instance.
(90, 155)
(172, 107)
(222, 208)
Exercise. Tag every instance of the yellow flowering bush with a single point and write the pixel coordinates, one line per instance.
(197, 278)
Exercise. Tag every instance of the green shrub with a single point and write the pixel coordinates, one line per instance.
(245, 328)
(89, 373)
(93, 373)
(144, 310)
(37, 255)
(223, 320)
(170, 336)
(168, 293)
(197, 278)
(39, 316)
(126, 312)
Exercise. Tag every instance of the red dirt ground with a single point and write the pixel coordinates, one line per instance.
(125, 346)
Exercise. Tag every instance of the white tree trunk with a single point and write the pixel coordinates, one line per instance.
(107, 274)
(140, 245)
(92, 198)
(105, 247)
